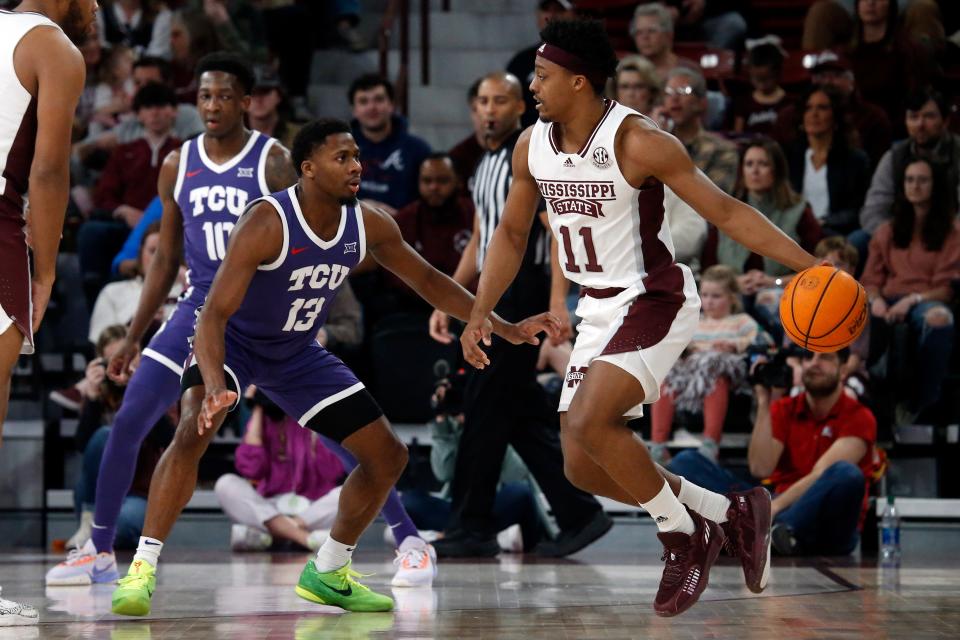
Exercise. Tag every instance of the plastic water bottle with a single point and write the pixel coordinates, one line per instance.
(890, 532)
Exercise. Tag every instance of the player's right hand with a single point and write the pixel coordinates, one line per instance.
(215, 401)
(124, 361)
(477, 330)
(440, 327)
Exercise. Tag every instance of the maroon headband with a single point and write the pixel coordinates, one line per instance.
(571, 63)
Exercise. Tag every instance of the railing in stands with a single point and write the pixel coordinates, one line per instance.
(398, 15)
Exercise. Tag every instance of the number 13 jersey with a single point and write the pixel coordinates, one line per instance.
(211, 198)
(610, 234)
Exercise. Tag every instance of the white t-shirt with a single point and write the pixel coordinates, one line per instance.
(815, 190)
(117, 303)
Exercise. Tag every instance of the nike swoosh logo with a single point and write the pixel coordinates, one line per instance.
(152, 544)
(346, 593)
(190, 174)
(295, 251)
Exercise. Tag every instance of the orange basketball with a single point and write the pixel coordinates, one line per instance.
(823, 309)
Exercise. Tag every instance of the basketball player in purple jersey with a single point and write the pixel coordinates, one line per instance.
(204, 187)
(602, 169)
(287, 257)
(41, 77)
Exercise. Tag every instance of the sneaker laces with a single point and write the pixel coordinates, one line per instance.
(75, 554)
(414, 556)
(673, 572)
(349, 577)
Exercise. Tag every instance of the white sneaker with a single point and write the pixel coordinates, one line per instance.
(244, 538)
(416, 564)
(83, 532)
(316, 538)
(511, 539)
(14, 614)
(427, 535)
(84, 566)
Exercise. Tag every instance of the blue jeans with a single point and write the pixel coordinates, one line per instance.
(133, 509)
(705, 473)
(513, 504)
(861, 240)
(824, 519)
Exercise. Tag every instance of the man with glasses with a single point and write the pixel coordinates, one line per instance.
(684, 103)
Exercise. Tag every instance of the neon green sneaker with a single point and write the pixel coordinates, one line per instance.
(340, 589)
(132, 597)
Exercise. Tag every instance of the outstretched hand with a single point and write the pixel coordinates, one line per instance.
(526, 330)
(476, 331)
(214, 402)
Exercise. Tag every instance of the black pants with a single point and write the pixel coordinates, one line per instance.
(504, 404)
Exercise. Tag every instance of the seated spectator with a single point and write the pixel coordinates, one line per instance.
(238, 23)
(264, 114)
(868, 125)
(141, 26)
(757, 112)
(652, 31)
(117, 302)
(715, 22)
(927, 112)
(192, 36)
(831, 176)
(126, 186)
(521, 64)
(913, 260)
(688, 229)
(438, 225)
(466, 154)
(817, 449)
(391, 155)
(763, 184)
(637, 85)
(711, 367)
(126, 264)
(92, 53)
(294, 495)
(113, 94)
(685, 104)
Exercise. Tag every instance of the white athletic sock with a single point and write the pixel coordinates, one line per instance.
(668, 513)
(333, 555)
(149, 550)
(710, 505)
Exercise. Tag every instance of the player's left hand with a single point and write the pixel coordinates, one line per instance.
(477, 330)
(214, 402)
(526, 330)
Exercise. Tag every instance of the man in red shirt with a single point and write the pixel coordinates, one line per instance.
(817, 449)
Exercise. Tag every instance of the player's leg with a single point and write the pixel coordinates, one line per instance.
(10, 342)
(416, 560)
(172, 485)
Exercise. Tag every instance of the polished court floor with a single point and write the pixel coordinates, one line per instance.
(604, 593)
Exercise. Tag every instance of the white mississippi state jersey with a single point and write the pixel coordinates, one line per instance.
(610, 234)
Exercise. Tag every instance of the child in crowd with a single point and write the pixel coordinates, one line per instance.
(113, 96)
(710, 368)
(756, 112)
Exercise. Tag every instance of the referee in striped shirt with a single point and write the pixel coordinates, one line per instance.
(503, 403)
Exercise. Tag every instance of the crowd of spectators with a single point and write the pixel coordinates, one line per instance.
(856, 160)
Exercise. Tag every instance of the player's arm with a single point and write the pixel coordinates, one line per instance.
(559, 287)
(279, 170)
(651, 152)
(162, 272)
(52, 70)
(257, 239)
(389, 249)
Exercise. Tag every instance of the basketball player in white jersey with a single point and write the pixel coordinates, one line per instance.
(602, 169)
(41, 77)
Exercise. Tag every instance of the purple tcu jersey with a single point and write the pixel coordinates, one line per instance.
(288, 299)
(211, 197)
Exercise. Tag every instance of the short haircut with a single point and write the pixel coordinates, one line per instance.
(369, 81)
(766, 55)
(694, 78)
(843, 354)
(438, 155)
(160, 64)
(838, 244)
(647, 72)
(656, 10)
(312, 135)
(226, 62)
(916, 100)
(506, 78)
(474, 90)
(154, 94)
(587, 40)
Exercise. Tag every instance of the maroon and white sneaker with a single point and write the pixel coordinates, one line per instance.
(688, 558)
(748, 535)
